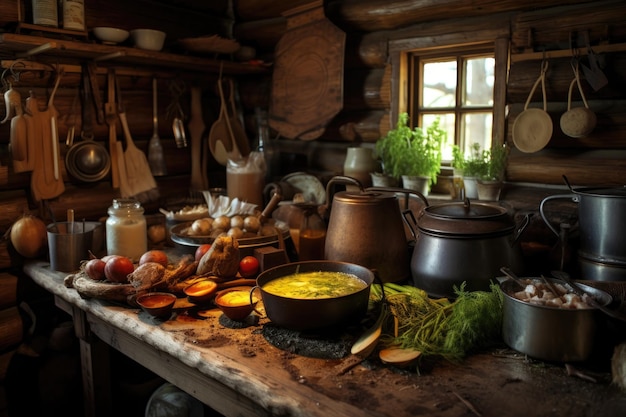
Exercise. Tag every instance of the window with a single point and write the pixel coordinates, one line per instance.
(476, 58)
(455, 85)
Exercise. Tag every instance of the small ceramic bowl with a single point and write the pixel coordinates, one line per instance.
(110, 35)
(201, 291)
(149, 39)
(157, 304)
(236, 302)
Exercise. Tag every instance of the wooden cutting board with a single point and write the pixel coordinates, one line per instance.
(307, 82)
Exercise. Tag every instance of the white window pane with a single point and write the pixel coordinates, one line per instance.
(446, 122)
(476, 128)
(479, 78)
(439, 84)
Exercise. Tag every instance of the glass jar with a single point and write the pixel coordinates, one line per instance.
(312, 236)
(126, 229)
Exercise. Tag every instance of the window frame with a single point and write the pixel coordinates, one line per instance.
(401, 51)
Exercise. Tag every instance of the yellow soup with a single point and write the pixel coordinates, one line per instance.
(315, 285)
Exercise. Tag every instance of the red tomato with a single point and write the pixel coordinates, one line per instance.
(248, 266)
(202, 249)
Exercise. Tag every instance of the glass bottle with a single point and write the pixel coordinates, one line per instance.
(126, 229)
(312, 237)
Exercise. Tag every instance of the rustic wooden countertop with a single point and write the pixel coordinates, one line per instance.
(237, 372)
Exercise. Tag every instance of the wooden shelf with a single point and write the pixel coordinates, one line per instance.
(565, 53)
(25, 46)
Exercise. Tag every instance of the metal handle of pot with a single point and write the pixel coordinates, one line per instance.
(338, 179)
(520, 229)
(575, 198)
(411, 221)
(407, 192)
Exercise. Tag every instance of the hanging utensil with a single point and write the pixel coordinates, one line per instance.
(43, 184)
(240, 139)
(577, 122)
(141, 183)
(111, 119)
(54, 131)
(196, 129)
(220, 135)
(593, 74)
(532, 129)
(88, 160)
(178, 125)
(155, 149)
(28, 164)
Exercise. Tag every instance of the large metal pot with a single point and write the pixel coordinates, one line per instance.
(299, 314)
(550, 333)
(365, 227)
(602, 224)
(464, 242)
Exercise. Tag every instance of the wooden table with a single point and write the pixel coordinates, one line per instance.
(238, 373)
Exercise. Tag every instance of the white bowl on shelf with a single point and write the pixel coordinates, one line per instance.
(110, 35)
(149, 39)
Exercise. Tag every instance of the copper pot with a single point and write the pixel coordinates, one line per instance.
(365, 227)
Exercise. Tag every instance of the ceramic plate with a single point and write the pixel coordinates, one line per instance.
(311, 188)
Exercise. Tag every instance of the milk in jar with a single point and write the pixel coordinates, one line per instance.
(126, 229)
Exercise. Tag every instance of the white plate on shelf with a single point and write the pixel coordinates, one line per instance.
(311, 188)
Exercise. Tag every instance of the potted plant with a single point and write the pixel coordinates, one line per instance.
(482, 169)
(407, 153)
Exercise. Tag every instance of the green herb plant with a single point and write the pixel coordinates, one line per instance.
(414, 152)
(485, 164)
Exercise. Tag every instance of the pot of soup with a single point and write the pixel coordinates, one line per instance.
(312, 295)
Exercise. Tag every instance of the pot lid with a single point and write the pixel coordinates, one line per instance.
(466, 218)
(364, 197)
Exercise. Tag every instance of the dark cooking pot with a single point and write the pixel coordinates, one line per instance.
(299, 314)
(550, 333)
(464, 242)
(602, 224)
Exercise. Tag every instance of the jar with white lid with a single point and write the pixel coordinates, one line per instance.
(126, 229)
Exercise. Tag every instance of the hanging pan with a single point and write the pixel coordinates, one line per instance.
(88, 160)
(532, 129)
(577, 122)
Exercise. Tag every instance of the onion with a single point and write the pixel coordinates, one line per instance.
(29, 236)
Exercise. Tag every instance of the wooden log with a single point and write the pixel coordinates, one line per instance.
(11, 328)
(5, 360)
(263, 34)
(594, 167)
(355, 126)
(364, 89)
(8, 290)
(12, 205)
(549, 29)
(373, 15)
(247, 10)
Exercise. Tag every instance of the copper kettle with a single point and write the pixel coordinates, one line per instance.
(366, 227)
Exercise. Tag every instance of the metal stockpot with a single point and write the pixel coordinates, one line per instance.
(464, 242)
(602, 224)
(550, 333)
(365, 227)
